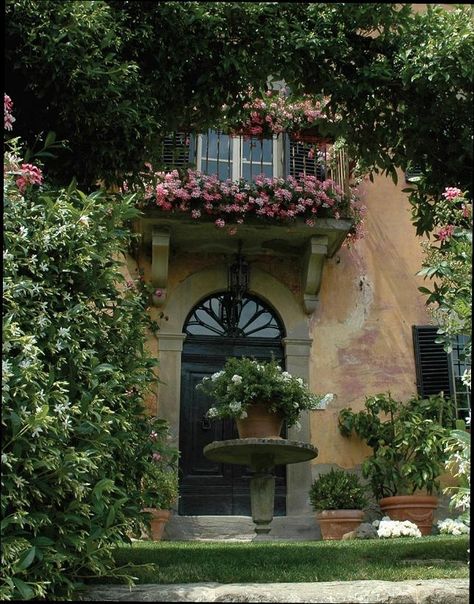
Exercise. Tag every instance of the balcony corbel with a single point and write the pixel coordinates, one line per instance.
(316, 252)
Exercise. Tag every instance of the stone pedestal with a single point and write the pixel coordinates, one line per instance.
(262, 455)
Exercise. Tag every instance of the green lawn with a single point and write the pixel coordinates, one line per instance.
(264, 562)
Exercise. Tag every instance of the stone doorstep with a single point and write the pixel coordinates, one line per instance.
(239, 528)
(434, 591)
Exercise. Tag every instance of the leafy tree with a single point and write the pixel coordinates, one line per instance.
(114, 76)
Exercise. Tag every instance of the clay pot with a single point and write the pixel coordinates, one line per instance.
(158, 521)
(419, 509)
(336, 523)
(260, 423)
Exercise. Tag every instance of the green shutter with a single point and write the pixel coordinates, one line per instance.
(431, 361)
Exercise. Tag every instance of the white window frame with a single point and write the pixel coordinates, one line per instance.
(237, 150)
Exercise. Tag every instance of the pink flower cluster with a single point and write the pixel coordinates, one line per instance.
(226, 202)
(275, 113)
(30, 175)
(445, 232)
(451, 193)
(7, 112)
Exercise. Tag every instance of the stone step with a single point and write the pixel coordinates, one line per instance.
(239, 528)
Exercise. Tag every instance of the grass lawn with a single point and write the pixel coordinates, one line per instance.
(433, 557)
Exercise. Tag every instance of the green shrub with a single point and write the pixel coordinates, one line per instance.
(408, 446)
(337, 490)
(75, 443)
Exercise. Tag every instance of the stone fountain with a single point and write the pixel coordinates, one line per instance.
(262, 455)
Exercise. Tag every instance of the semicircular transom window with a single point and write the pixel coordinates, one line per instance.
(220, 315)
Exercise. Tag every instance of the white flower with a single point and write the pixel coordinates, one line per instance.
(300, 381)
(23, 232)
(237, 379)
(389, 529)
(235, 406)
(451, 526)
(286, 376)
(212, 412)
(84, 220)
(64, 332)
(216, 376)
(36, 432)
(466, 378)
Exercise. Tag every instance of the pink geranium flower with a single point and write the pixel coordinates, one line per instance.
(30, 175)
(451, 193)
(7, 112)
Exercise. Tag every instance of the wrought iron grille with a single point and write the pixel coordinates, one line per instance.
(222, 315)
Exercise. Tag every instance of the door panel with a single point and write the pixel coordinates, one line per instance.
(210, 488)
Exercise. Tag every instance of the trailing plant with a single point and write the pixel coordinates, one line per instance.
(408, 441)
(276, 111)
(337, 490)
(205, 197)
(448, 264)
(243, 382)
(75, 370)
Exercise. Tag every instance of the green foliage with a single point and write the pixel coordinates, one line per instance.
(459, 463)
(160, 481)
(75, 370)
(337, 490)
(244, 381)
(408, 443)
(117, 75)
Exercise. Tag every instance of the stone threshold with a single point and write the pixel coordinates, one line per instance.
(433, 591)
(239, 528)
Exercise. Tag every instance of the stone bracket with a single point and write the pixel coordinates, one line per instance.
(316, 252)
(160, 246)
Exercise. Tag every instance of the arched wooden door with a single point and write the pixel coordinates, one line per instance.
(217, 329)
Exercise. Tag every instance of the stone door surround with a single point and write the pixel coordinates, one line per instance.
(297, 345)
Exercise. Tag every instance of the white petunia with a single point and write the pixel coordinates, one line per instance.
(236, 379)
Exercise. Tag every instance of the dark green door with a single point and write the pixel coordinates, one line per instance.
(206, 487)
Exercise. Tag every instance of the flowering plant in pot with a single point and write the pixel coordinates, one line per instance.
(253, 392)
(160, 480)
(338, 497)
(408, 452)
(263, 114)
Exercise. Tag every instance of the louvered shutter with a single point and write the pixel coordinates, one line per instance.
(298, 159)
(177, 150)
(431, 361)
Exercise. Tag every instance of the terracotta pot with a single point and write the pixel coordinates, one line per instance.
(158, 521)
(416, 508)
(336, 523)
(259, 423)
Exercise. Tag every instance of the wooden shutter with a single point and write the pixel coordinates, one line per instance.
(177, 150)
(297, 160)
(431, 361)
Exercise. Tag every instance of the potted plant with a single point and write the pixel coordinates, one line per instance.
(259, 396)
(160, 479)
(338, 498)
(408, 452)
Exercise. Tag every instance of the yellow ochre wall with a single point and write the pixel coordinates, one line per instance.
(362, 339)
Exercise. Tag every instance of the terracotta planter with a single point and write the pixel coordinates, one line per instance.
(336, 523)
(260, 423)
(158, 521)
(416, 508)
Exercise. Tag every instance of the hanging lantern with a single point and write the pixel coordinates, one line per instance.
(238, 276)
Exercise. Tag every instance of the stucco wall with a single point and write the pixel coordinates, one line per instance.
(362, 339)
